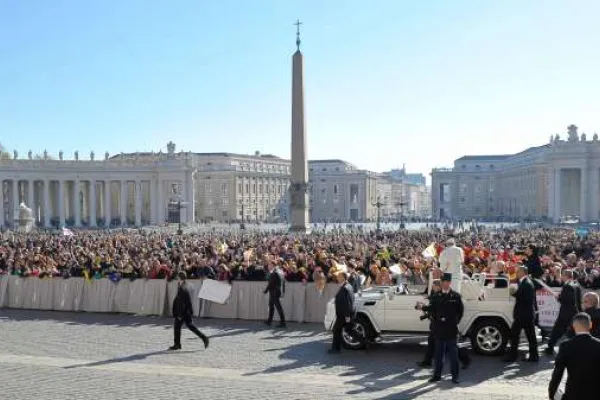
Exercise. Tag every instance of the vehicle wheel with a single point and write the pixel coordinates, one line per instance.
(363, 327)
(489, 337)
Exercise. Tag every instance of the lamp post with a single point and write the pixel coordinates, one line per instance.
(401, 204)
(378, 204)
(242, 225)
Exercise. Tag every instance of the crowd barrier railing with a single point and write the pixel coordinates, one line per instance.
(301, 302)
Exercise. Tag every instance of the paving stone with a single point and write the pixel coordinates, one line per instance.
(52, 355)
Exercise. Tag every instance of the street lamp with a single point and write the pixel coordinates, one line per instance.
(178, 205)
(401, 204)
(242, 225)
(378, 204)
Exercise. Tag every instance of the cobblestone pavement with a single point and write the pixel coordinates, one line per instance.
(52, 356)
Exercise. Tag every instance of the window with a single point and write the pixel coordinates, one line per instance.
(247, 188)
(224, 189)
(260, 188)
(207, 186)
(254, 189)
(240, 187)
(335, 188)
(225, 201)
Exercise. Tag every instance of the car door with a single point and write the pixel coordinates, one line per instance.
(401, 316)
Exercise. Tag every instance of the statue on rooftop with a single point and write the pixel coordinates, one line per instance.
(572, 132)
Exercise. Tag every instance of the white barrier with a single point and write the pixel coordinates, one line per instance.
(301, 302)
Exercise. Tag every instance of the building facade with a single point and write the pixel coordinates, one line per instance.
(137, 189)
(235, 187)
(119, 191)
(555, 181)
(338, 191)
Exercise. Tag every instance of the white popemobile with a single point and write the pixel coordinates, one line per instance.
(390, 311)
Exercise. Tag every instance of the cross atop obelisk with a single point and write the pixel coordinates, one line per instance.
(298, 23)
(299, 179)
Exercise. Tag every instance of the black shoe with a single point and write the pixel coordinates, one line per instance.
(282, 325)
(205, 340)
(466, 364)
(333, 351)
(509, 359)
(424, 364)
(531, 359)
(434, 379)
(549, 351)
(455, 381)
(174, 347)
(268, 323)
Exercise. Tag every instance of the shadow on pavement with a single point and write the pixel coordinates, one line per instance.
(224, 327)
(394, 364)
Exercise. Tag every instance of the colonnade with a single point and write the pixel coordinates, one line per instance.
(91, 203)
(574, 192)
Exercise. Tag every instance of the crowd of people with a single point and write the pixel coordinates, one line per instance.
(378, 258)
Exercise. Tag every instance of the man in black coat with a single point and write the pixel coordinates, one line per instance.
(345, 313)
(447, 309)
(182, 312)
(275, 288)
(523, 318)
(570, 304)
(463, 354)
(580, 356)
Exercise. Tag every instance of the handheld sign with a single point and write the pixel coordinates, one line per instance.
(214, 291)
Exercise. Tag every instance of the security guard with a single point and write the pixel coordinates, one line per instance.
(447, 310)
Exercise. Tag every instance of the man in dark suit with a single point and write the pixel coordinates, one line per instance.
(523, 318)
(275, 288)
(580, 356)
(345, 313)
(183, 311)
(447, 309)
(463, 354)
(570, 304)
(592, 308)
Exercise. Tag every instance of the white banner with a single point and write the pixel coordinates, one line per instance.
(548, 307)
(216, 291)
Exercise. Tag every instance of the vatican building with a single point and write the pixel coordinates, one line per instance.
(558, 181)
(153, 188)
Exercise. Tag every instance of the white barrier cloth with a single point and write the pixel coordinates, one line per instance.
(216, 291)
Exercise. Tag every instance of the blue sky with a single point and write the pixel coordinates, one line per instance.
(387, 82)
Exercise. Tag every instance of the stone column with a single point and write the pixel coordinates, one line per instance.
(192, 198)
(550, 194)
(583, 190)
(123, 203)
(594, 182)
(138, 203)
(153, 196)
(47, 212)
(160, 203)
(92, 205)
(76, 203)
(61, 202)
(557, 194)
(1, 203)
(107, 204)
(16, 199)
(30, 196)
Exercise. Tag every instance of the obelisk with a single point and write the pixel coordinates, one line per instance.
(299, 181)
